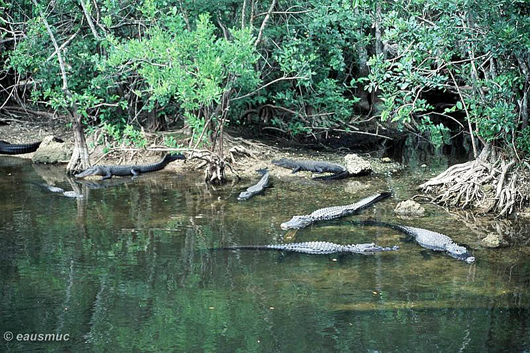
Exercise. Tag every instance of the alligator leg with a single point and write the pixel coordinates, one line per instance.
(107, 176)
(135, 172)
(296, 170)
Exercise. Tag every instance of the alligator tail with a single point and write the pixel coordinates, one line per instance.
(262, 171)
(254, 247)
(380, 224)
(7, 148)
(370, 200)
(173, 157)
(341, 175)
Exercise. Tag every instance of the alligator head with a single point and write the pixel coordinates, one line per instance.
(94, 170)
(297, 222)
(245, 195)
(459, 253)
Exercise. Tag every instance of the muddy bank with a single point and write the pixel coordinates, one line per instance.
(244, 156)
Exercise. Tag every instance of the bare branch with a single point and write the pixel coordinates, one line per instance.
(265, 20)
(268, 84)
(89, 20)
(57, 49)
(467, 114)
(243, 14)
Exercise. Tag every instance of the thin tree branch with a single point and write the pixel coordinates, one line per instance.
(57, 49)
(265, 20)
(89, 20)
(467, 114)
(268, 84)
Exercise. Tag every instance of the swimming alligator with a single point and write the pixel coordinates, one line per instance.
(125, 170)
(429, 240)
(328, 213)
(8, 148)
(258, 188)
(339, 171)
(317, 247)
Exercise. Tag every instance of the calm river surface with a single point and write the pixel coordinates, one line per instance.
(128, 269)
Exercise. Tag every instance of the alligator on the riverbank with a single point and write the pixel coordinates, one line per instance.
(8, 148)
(429, 240)
(258, 188)
(329, 213)
(339, 171)
(126, 170)
(317, 247)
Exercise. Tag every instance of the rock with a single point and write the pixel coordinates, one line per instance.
(492, 240)
(409, 208)
(357, 165)
(51, 151)
(386, 160)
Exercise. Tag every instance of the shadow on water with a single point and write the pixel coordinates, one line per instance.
(129, 266)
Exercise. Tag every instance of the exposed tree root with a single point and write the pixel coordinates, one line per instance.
(487, 184)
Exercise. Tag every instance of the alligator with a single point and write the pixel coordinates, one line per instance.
(339, 171)
(328, 213)
(125, 170)
(8, 148)
(258, 188)
(318, 247)
(429, 240)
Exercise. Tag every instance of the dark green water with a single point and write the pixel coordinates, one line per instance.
(127, 269)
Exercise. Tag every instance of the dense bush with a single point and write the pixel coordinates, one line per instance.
(303, 67)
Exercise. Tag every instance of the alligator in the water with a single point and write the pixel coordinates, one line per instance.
(429, 240)
(126, 170)
(329, 213)
(8, 148)
(258, 188)
(318, 247)
(338, 171)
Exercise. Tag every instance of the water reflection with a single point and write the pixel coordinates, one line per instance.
(129, 266)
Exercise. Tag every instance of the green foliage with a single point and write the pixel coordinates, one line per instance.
(191, 68)
(126, 135)
(171, 142)
(181, 59)
(320, 51)
(451, 43)
(523, 140)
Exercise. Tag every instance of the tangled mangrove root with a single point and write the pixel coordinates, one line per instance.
(214, 173)
(487, 184)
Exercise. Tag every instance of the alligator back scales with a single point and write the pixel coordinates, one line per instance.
(329, 213)
(429, 240)
(8, 148)
(318, 247)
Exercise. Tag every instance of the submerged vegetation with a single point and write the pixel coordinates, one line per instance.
(299, 68)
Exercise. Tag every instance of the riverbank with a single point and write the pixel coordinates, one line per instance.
(244, 156)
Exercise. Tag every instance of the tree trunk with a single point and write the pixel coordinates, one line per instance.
(79, 159)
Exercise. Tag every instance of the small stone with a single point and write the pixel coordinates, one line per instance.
(492, 241)
(357, 165)
(409, 208)
(386, 160)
